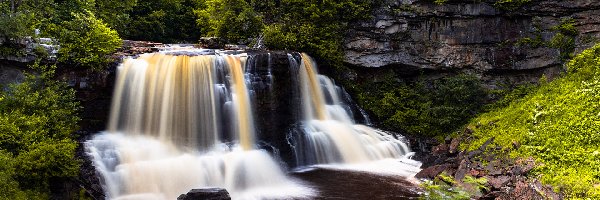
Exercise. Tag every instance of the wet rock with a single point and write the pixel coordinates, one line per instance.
(498, 182)
(211, 43)
(206, 194)
(462, 170)
(440, 149)
(433, 171)
(132, 48)
(506, 177)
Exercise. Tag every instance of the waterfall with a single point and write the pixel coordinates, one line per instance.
(170, 119)
(190, 119)
(328, 133)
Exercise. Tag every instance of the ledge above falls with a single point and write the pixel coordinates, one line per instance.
(472, 36)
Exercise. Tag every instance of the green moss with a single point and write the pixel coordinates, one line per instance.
(440, 2)
(510, 4)
(564, 39)
(558, 124)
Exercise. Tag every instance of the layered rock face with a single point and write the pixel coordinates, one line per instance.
(474, 36)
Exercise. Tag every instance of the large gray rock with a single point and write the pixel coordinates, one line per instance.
(206, 194)
(467, 35)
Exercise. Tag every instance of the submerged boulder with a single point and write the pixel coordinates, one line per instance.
(206, 194)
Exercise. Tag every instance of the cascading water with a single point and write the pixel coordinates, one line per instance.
(329, 135)
(193, 119)
(169, 118)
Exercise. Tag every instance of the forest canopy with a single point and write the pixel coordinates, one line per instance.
(309, 26)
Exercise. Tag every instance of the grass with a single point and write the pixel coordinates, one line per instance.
(558, 124)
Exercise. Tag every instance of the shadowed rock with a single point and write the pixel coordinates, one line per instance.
(206, 194)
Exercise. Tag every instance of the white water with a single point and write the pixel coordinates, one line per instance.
(168, 119)
(181, 122)
(141, 167)
(331, 137)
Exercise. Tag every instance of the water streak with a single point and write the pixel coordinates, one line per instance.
(329, 134)
(168, 132)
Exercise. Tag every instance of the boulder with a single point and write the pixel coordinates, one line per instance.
(206, 194)
(211, 43)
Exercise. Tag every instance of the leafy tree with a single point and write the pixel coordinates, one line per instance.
(163, 21)
(234, 20)
(314, 26)
(37, 121)
(85, 40)
(9, 187)
(115, 13)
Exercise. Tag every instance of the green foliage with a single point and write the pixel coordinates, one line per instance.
(163, 21)
(314, 26)
(558, 124)
(20, 24)
(233, 20)
(37, 119)
(564, 39)
(444, 187)
(433, 109)
(115, 13)
(86, 41)
(506, 96)
(9, 187)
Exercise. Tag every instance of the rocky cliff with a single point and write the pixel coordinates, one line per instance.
(478, 37)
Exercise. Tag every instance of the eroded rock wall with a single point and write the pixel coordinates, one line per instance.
(469, 36)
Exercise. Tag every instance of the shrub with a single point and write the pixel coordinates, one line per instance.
(37, 121)
(86, 41)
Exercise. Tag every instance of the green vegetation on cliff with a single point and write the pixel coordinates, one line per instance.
(429, 108)
(558, 124)
(85, 40)
(37, 149)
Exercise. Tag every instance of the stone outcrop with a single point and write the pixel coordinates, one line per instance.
(206, 194)
(473, 36)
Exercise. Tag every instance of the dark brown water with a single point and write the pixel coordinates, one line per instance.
(341, 184)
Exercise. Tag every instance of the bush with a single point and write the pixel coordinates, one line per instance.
(86, 41)
(37, 120)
